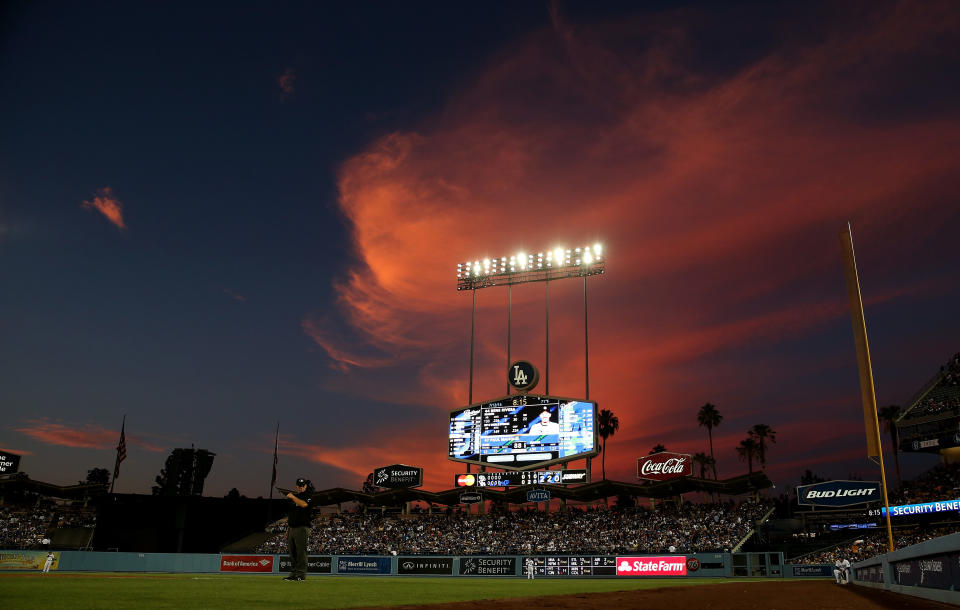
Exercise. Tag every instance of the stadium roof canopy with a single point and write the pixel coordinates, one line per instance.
(21, 483)
(582, 493)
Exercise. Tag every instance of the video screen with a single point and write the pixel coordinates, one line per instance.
(524, 431)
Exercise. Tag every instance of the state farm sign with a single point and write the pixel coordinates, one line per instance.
(664, 465)
(652, 566)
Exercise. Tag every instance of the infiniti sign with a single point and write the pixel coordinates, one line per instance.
(839, 493)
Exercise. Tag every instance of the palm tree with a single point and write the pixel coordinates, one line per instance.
(888, 415)
(712, 464)
(658, 448)
(710, 418)
(747, 450)
(760, 433)
(701, 460)
(607, 426)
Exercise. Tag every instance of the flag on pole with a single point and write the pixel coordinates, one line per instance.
(121, 452)
(276, 442)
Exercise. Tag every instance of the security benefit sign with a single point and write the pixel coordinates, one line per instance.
(839, 493)
(398, 476)
(9, 462)
(488, 566)
(425, 565)
(318, 564)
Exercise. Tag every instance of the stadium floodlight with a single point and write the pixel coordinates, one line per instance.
(522, 268)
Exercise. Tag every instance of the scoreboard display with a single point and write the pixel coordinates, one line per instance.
(524, 431)
(525, 477)
(578, 565)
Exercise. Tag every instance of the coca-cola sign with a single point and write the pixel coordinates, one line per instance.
(664, 465)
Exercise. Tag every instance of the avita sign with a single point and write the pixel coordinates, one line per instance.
(664, 465)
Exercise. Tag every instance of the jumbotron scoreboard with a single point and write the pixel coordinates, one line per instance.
(523, 431)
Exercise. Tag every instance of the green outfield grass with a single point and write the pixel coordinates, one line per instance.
(78, 590)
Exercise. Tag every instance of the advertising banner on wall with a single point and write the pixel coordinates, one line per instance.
(26, 560)
(872, 573)
(932, 572)
(363, 565)
(488, 566)
(839, 493)
(318, 564)
(246, 563)
(425, 565)
(810, 571)
(652, 566)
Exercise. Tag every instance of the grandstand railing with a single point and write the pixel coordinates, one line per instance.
(753, 531)
(920, 394)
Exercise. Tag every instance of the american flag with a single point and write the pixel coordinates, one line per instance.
(276, 442)
(121, 448)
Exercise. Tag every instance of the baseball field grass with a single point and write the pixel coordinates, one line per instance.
(114, 590)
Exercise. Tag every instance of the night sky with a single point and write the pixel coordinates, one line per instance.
(215, 217)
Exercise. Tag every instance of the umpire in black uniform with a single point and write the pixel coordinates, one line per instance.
(298, 530)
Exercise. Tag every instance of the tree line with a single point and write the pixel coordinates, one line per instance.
(751, 449)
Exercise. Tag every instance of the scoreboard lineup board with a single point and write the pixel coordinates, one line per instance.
(520, 432)
(524, 477)
(579, 565)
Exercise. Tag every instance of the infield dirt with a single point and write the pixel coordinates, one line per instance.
(783, 595)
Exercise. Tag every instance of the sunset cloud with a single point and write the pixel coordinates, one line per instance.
(285, 82)
(108, 205)
(84, 436)
(234, 295)
(718, 197)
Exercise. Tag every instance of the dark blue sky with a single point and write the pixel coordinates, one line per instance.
(719, 149)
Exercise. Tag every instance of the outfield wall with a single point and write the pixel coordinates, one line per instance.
(930, 570)
(545, 566)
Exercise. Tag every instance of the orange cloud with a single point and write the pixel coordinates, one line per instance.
(85, 436)
(235, 296)
(18, 451)
(108, 205)
(718, 198)
(285, 81)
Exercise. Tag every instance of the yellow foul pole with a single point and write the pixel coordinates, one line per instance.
(867, 394)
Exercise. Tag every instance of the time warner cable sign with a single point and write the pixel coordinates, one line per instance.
(839, 493)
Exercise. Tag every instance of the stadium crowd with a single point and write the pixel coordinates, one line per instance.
(872, 545)
(692, 528)
(23, 528)
(945, 396)
(27, 527)
(939, 483)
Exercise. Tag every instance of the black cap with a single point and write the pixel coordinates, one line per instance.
(301, 482)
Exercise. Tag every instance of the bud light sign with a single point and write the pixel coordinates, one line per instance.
(839, 493)
(664, 465)
(652, 566)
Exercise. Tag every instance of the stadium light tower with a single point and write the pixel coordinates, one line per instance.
(523, 268)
